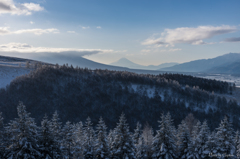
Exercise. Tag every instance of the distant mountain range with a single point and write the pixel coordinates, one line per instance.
(124, 62)
(228, 63)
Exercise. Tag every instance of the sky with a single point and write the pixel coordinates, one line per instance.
(145, 32)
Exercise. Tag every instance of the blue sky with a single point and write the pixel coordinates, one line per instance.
(146, 32)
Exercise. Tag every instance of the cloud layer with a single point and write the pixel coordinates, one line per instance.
(6, 31)
(234, 39)
(8, 6)
(194, 36)
(25, 48)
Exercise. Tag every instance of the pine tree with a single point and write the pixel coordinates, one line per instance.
(137, 134)
(55, 127)
(224, 138)
(202, 139)
(183, 140)
(48, 146)
(78, 136)
(148, 136)
(236, 143)
(123, 146)
(211, 149)
(163, 144)
(141, 149)
(194, 143)
(2, 137)
(89, 140)
(102, 147)
(23, 133)
(67, 141)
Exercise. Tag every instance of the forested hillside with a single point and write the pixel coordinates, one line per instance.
(78, 93)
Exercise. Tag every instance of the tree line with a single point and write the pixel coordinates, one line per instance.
(21, 138)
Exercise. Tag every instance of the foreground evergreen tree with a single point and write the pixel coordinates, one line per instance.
(202, 139)
(148, 136)
(137, 134)
(78, 136)
(122, 146)
(224, 138)
(164, 145)
(67, 141)
(23, 136)
(2, 137)
(55, 127)
(184, 141)
(89, 140)
(47, 145)
(102, 147)
(236, 143)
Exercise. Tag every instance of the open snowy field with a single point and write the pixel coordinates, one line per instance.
(8, 73)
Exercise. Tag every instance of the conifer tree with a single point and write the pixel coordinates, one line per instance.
(164, 144)
(236, 143)
(183, 140)
(55, 127)
(23, 133)
(78, 136)
(211, 148)
(2, 137)
(89, 140)
(137, 134)
(148, 136)
(102, 147)
(224, 138)
(122, 146)
(202, 139)
(67, 141)
(48, 146)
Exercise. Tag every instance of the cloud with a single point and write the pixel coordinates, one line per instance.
(194, 36)
(83, 27)
(5, 31)
(99, 27)
(233, 39)
(31, 22)
(146, 51)
(26, 48)
(71, 32)
(9, 7)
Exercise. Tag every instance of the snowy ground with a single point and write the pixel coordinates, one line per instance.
(8, 73)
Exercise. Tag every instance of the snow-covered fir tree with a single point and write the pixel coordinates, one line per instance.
(202, 139)
(122, 146)
(211, 148)
(67, 141)
(236, 143)
(148, 135)
(224, 138)
(23, 136)
(164, 142)
(47, 144)
(101, 147)
(137, 134)
(78, 136)
(55, 127)
(183, 141)
(2, 137)
(89, 140)
(141, 149)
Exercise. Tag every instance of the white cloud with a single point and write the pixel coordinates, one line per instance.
(83, 27)
(99, 27)
(8, 6)
(26, 48)
(71, 32)
(194, 36)
(5, 31)
(31, 22)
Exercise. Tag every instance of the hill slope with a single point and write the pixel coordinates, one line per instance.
(205, 64)
(79, 93)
